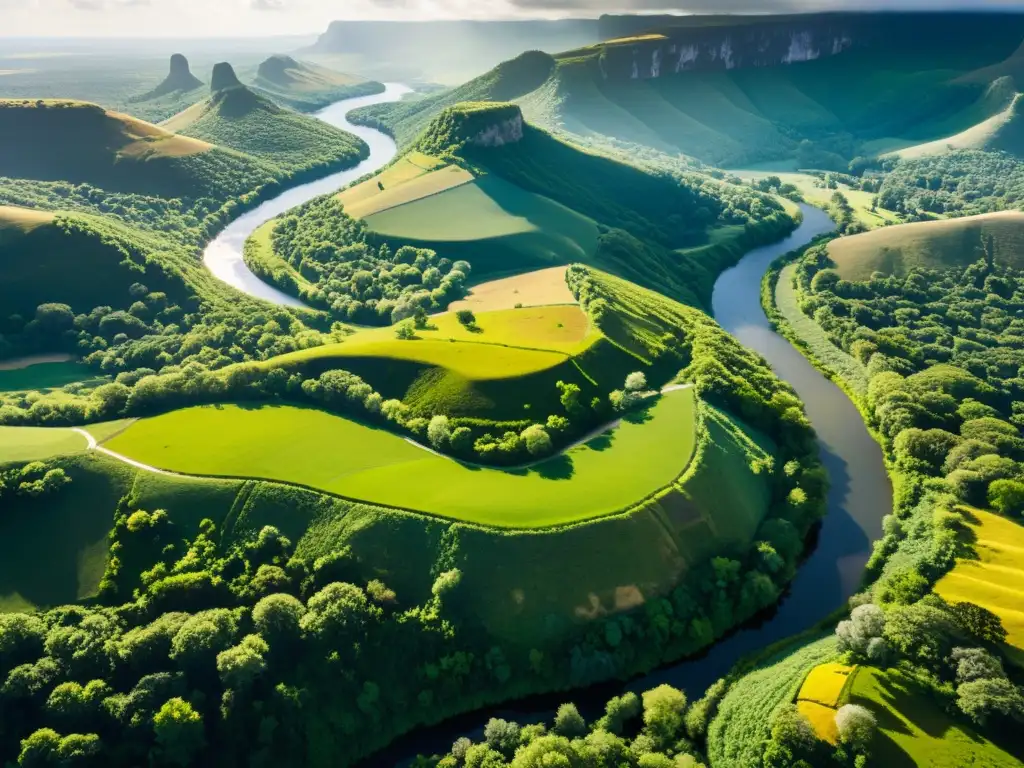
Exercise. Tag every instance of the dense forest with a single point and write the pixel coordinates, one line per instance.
(941, 350)
(209, 649)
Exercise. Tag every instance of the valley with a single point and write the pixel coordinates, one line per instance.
(672, 373)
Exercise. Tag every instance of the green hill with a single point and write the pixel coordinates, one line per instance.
(307, 87)
(236, 117)
(670, 91)
(931, 245)
(179, 81)
(83, 261)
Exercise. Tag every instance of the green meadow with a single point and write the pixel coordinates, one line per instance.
(42, 376)
(36, 443)
(609, 474)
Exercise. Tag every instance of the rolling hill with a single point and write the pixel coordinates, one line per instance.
(307, 87)
(817, 90)
(80, 260)
(951, 243)
(238, 118)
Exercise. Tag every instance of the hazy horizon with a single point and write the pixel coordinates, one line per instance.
(170, 19)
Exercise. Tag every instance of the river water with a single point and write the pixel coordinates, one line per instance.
(223, 256)
(860, 493)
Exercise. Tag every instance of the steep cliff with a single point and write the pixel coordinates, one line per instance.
(179, 80)
(658, 46)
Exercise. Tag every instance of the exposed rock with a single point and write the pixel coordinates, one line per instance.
(507, 131)
(223, 77)
(179, 79)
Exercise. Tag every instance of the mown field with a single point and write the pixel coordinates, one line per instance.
(36, 443)
(913, 730)
(994, 578)
(493, 224)
(930, 245)
(538, 288)
(607, 475)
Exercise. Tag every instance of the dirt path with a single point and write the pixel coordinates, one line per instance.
(20, 363)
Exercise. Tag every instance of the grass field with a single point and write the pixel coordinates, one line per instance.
(54, 550)
(25, 444)
(424, 185)
(930, 245)
(995, 580)
(915, 731)
(840, 362)
(860, 200)
(607, 475)
(493, 224)
(42, 376)
(408, 167)
(538, 288)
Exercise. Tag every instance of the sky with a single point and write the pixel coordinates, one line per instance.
(242, 18)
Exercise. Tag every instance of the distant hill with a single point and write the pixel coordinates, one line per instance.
(951, 243)
(815, 89)
(72, 141)
(179, 80)
(237, 117)
(447, 52)
(306, 87)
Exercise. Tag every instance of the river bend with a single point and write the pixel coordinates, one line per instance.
(860, 494)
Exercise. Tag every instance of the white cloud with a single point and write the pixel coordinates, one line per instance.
(213, 18)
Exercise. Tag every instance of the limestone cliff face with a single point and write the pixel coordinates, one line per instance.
(508, 131)
(726, 48)
(669, 45)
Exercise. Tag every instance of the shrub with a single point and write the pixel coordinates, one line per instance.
(856, 726)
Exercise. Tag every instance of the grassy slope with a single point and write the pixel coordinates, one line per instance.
(493, 224)
(242, 120)
(388, 470)
(305, 86)
(930, 245)
(42, 376)
(85, 261)
(994, 579)
(538, 288)
(34, 443)
(915, 731)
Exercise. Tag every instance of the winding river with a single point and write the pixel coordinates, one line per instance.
(860, 494)
(223, 256)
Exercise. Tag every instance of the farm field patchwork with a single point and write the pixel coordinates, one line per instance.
(995, 580)
(430, 183)
(538, 288)
(410, 166)
(605, 476)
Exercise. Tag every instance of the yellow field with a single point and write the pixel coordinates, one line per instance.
(537, 288)
(407, 168)
(425, 185)
(996, 579)
(821, 694)
(148, 140)
(825, 684)
(24, 219)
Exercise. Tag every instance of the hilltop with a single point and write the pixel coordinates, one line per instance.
(307, 87)
(81, 143)
(939, 245)
(237, 117)
(817, 90)
(484, 187)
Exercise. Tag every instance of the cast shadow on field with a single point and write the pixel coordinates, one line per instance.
(556, 468)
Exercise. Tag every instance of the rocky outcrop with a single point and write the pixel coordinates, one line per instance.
(179, 80)
(660, 46)
(223, 77)
(507, 131)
